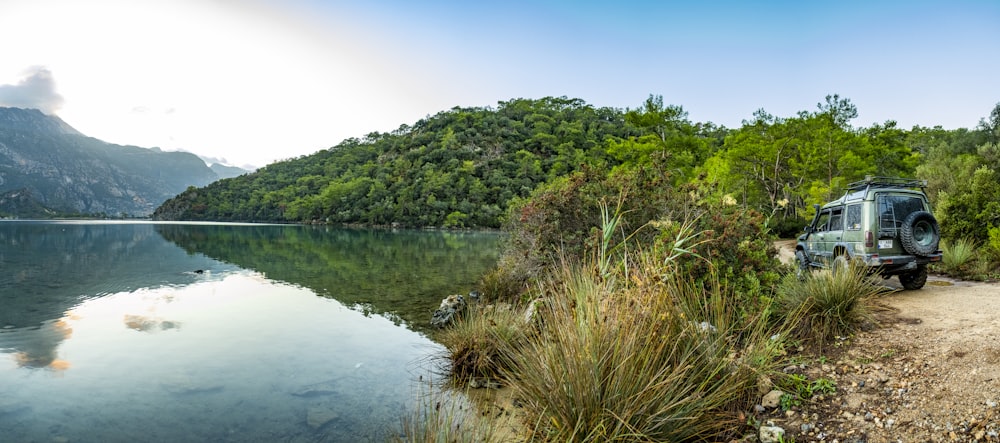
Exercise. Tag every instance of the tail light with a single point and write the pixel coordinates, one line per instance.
(869, 239)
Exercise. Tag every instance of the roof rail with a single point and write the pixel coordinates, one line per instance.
(872, 181)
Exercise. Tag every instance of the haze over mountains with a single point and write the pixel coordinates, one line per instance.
(47, 168)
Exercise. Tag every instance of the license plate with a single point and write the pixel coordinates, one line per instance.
(885, 244)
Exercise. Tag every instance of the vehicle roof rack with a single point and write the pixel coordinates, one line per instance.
(872, 181)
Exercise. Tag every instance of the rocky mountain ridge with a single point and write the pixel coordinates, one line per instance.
(48, 167)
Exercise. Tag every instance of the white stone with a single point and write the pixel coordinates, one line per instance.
(772, 399)
(771, 434)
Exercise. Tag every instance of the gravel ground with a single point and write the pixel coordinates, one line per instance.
(930, 372)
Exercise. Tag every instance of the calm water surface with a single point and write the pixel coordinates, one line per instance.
(210, 332)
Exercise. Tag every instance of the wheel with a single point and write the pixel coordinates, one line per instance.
(839, 264)
(914, 279)
(802, 267)
(920, 233)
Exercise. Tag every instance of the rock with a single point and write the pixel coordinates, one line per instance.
(317, 389)
(705, 327)
(531, 312)
(319, 416)
(771, 434)
(451, 307)
(185, 385)
(481, 383)
(772, 399)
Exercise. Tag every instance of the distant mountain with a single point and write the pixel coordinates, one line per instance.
(225, 171)
(47, 167)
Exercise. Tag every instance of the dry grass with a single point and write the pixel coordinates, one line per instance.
(828, 304)
(650, 361)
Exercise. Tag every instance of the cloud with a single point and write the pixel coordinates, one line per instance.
(36, 90)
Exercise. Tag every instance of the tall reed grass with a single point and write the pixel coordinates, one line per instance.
(443, 416)
(650, 360)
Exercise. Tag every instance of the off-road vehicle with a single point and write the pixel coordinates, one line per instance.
(882, 223)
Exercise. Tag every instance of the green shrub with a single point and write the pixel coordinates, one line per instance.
(504, 283)
(563, 217)
(969, 211)
(994, 242)
(827, 304)
(733, 249)
(644, 360)
(789, 227)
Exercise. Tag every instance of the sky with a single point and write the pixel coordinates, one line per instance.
(249, 82)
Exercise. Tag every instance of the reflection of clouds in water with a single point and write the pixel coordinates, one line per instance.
(37, 347)
(144, 323)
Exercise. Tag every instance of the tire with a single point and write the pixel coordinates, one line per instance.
(839, 264)
(920, 233)
(914, 280)
(802, 267)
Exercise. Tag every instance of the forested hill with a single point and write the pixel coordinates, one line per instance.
(459, 168)
(465, 166)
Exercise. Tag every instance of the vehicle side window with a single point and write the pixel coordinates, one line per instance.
(824, 220)
(837, 219)
(854, 218)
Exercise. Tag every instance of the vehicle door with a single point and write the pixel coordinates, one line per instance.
(832, 224)
(816, 242)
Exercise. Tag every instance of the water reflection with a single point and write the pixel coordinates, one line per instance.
(239, 358)
(108, 332)
(401, 275)
(37, 348)
(48, 267)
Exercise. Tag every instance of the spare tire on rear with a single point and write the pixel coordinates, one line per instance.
(920, 233)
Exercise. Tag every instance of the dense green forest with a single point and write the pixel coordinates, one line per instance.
(463, 168)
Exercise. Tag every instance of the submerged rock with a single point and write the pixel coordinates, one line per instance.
(317, 389)
(184, 385)
(319, 416)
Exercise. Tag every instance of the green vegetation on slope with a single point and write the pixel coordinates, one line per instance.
(459, 168)
(463, 168)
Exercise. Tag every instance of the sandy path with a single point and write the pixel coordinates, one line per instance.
(929, 372)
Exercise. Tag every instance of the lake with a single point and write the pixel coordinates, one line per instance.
(142, 331)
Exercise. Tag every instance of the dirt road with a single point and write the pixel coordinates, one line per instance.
(930, 372)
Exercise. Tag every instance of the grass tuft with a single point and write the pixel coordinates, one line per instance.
(828, 304)
(476, 341)
(957, 256)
